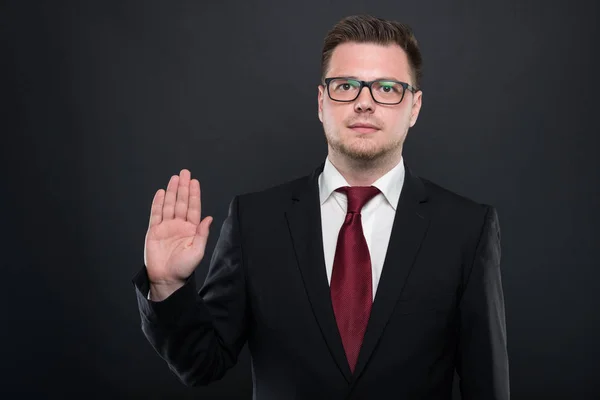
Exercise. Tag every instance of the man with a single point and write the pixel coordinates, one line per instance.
(359, 281)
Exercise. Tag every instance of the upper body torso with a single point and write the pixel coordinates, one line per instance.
(438, 302)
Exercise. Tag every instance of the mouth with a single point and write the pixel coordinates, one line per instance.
(364, 128)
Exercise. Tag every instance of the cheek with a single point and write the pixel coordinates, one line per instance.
(400, 119)
(332, 115)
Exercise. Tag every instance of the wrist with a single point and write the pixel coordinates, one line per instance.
(160, 291)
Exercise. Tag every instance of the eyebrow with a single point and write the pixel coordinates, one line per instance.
(384, 78)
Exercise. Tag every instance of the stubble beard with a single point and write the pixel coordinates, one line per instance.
(363, 150)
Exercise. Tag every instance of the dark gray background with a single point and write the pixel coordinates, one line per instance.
(103, 101)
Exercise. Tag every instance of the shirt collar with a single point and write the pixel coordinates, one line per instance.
(389, 184)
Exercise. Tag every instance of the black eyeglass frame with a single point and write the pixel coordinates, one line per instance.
(368, 84)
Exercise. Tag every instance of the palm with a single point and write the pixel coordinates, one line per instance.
(176, 237)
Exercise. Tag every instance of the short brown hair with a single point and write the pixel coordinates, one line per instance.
(369, 29)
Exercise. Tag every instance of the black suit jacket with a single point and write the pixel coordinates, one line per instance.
(439, 305)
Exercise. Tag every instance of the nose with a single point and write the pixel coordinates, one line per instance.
(364, 102)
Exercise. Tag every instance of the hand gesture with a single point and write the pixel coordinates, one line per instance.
(176, 237)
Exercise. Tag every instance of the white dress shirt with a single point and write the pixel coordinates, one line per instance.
(377, 215)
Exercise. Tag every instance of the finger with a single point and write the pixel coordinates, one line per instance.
(194, 207)
(202, 231)
(181, 205)
(157, 207)
(170, 197)
(203, 228)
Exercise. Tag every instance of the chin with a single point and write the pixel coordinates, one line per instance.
(361, 149)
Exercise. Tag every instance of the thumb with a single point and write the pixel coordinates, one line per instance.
(203, 228)
(201, 236)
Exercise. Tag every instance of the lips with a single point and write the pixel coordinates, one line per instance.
(364, 128)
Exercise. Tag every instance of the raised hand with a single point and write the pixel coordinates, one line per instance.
(176, 237)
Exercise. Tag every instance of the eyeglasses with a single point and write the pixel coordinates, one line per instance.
(383, 91)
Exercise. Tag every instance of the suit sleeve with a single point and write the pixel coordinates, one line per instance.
(482, 359)
(200, 334)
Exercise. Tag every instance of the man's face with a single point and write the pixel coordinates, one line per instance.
(368, 61)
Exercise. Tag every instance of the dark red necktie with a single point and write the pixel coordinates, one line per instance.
(351, 283)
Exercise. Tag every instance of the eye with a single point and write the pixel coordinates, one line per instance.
(388, 87)
(345, 85)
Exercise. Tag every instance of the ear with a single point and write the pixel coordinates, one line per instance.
(416, 107)
(320, 102)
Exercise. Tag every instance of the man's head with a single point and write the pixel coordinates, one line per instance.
(365, 48)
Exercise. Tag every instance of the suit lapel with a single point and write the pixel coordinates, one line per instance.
(304, 221)
(408, 230)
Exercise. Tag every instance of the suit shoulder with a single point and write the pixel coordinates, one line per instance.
(463, 214)
(273, 196)
(451, 203)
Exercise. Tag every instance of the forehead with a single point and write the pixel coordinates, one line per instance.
(369, 61)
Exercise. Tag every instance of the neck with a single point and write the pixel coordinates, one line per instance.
(364, 172)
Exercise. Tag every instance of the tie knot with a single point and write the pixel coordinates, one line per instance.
(358, 196)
